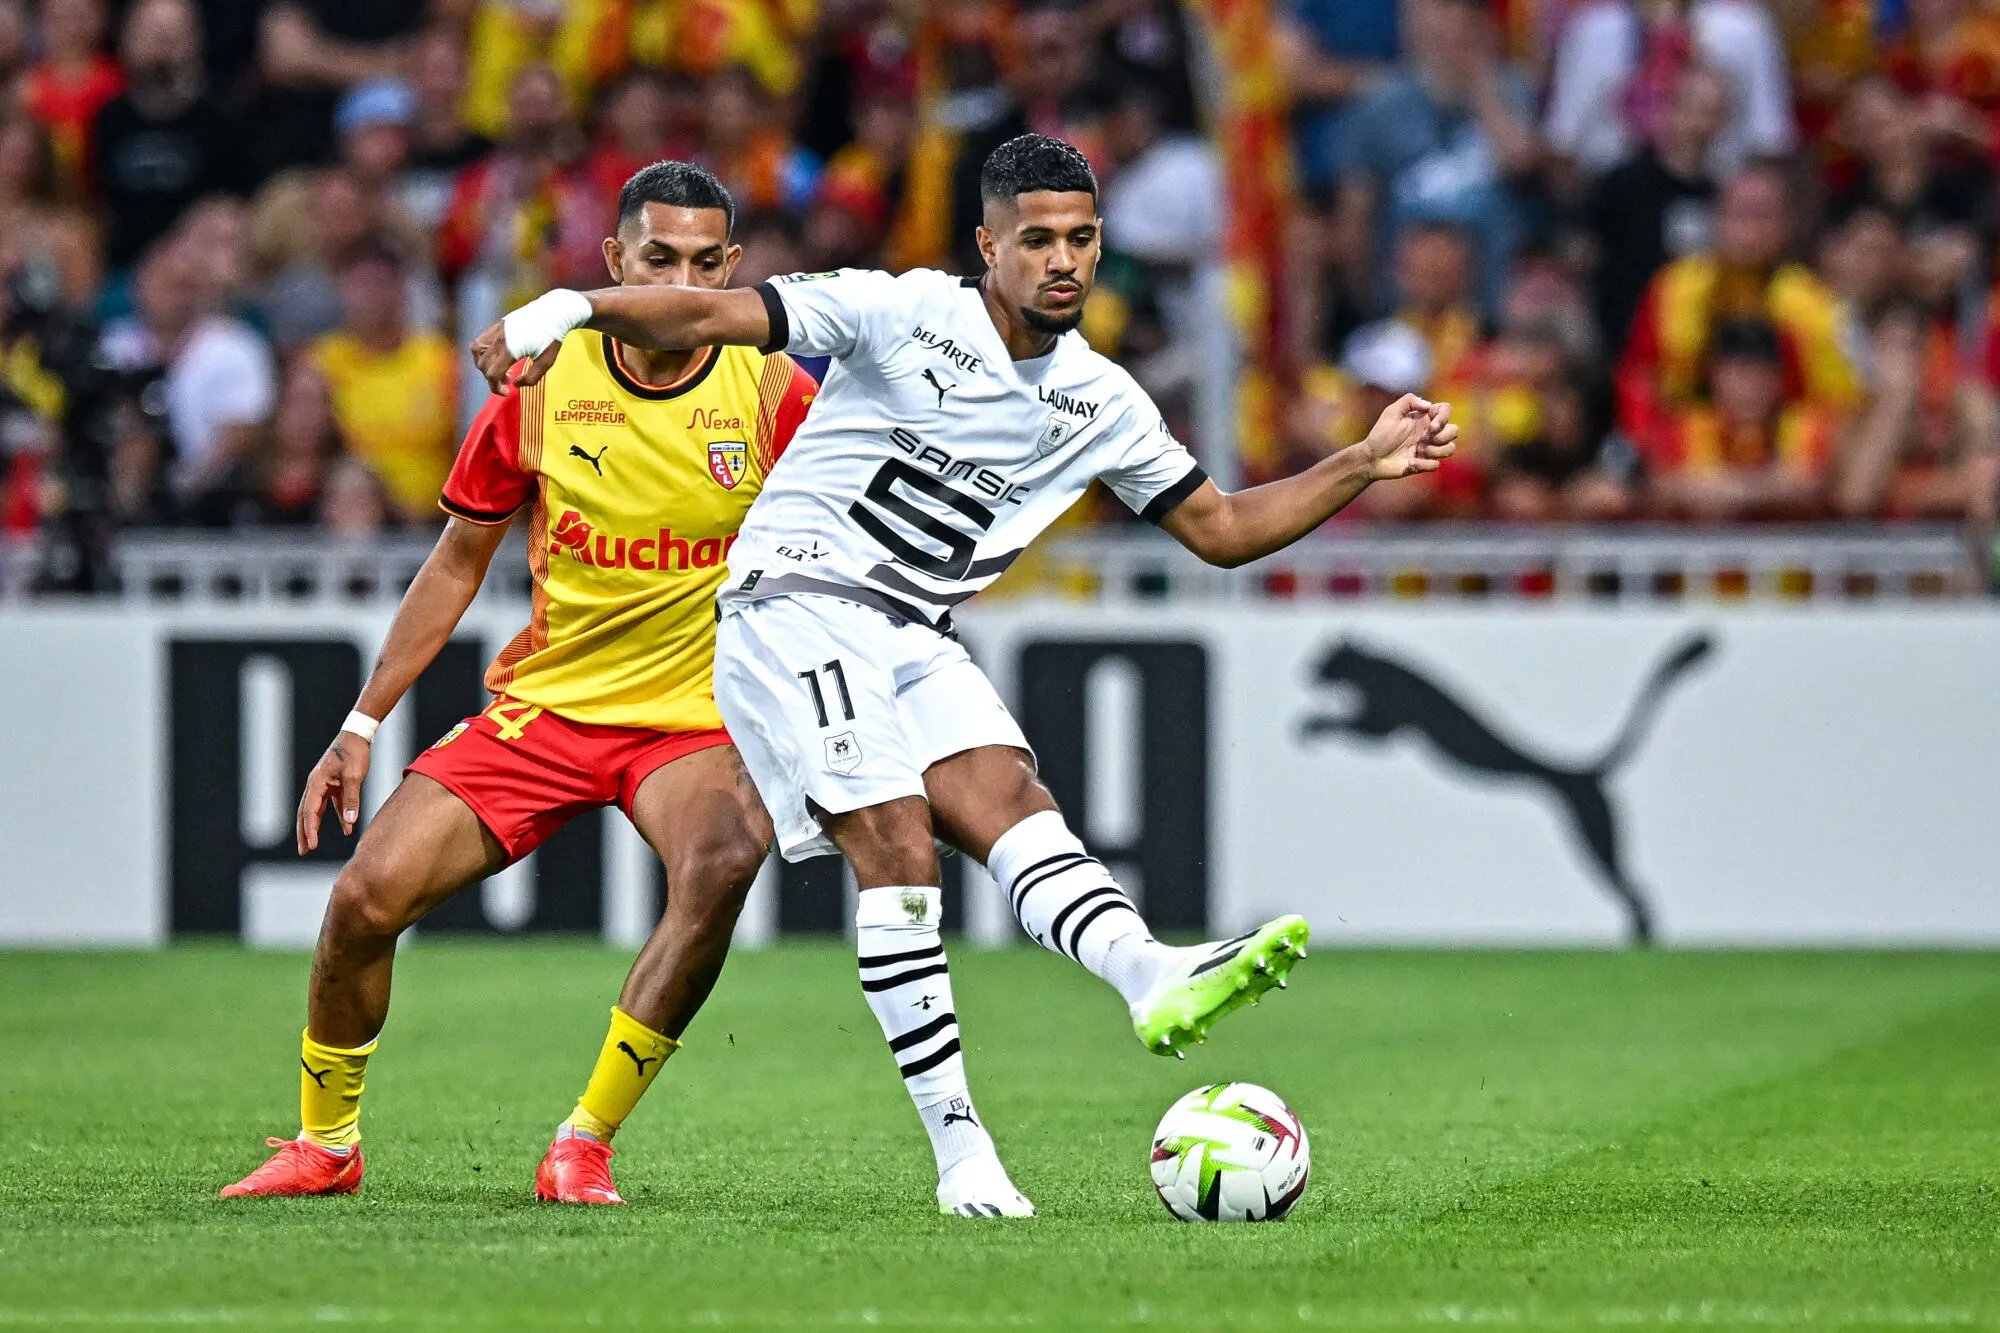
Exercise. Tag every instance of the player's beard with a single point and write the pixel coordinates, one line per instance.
(1041, 321)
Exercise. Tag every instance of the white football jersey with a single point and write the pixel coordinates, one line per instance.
(930, 458)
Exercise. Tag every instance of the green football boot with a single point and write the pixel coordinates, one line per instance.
(1214, 979)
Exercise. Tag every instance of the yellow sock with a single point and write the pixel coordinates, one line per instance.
(330, 1083)
(631, 1057)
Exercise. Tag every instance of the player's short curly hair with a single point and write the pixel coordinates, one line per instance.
(1034, 162)
(677, 185)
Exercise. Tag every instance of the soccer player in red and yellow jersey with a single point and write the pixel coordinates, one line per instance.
(636, 468)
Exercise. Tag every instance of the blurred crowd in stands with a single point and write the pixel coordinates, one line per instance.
(1701, 260)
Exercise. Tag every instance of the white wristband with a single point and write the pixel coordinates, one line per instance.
(361, 725)
(544, 320)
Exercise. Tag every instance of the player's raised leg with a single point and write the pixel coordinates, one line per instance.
(701, 814)
(988, 802)
(423, 846)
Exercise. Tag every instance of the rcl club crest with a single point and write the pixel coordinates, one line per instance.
(728, 460)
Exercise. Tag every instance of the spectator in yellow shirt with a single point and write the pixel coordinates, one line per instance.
(394, 391)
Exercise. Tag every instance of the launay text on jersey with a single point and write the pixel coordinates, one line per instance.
(1062, 402)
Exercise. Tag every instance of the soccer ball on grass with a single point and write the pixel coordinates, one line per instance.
(1230, 1152)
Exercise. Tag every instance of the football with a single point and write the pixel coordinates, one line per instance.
(1230, 1152)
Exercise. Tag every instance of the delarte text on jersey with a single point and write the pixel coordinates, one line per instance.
(948, 348)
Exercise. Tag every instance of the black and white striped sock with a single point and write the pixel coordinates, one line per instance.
(908, 985)
(1069, 904)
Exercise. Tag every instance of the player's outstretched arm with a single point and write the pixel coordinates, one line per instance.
(1411, 436)
(657, 317)
(429, 612)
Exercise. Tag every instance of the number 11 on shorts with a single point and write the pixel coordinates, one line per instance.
(839, 677)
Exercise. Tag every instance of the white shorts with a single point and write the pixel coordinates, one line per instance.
(837, 704)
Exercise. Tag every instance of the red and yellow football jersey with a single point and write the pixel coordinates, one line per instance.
(1701, 442)
(637, 492)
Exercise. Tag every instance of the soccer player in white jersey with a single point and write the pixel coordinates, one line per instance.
(959, 418)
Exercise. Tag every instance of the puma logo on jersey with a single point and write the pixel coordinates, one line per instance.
(578, 451)
(938, 384)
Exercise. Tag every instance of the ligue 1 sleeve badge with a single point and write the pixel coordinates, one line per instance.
(727, 462)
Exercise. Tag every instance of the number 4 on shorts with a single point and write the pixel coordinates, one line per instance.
(512, 718)
(839, 677)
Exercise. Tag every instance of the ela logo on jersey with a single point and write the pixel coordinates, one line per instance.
(728, 460)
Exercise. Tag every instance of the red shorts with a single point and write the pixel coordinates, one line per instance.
(526, 772)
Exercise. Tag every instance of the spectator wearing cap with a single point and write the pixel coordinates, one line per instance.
(164, 143)
(72, 82)
(372, 126)
(1748, 452)
(394, 390)
(1746, 276)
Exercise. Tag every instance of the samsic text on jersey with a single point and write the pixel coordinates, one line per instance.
(637, 492)
(932, 457)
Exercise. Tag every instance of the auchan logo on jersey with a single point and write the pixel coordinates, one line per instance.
(574, 536)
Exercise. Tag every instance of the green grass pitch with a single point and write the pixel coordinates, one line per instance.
(1512, 1139)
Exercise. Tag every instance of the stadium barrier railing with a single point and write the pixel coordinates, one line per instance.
(1458, 563)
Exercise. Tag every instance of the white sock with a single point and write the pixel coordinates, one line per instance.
(1069, 904)
(908, 985)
